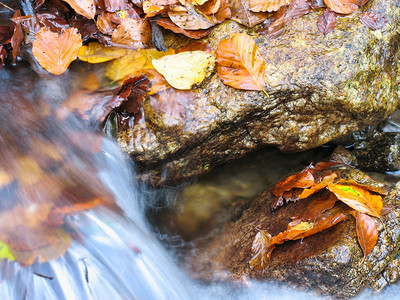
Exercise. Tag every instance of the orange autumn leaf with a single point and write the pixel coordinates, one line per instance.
(289, 196)
(315, 209)
(132, 33)
(264, 244)
(358, 198)
(342, 6)
(240, 64)
(319, 186)
(86, 8)
(241, 13)
(303, 179)
(376, 189)
(193, 34)
(367, 232)
(54, 51)
(267, 5)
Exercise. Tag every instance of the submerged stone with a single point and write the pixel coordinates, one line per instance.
(320, 88)
(328, 262)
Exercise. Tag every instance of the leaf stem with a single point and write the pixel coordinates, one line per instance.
(265, 93)
(6, 6)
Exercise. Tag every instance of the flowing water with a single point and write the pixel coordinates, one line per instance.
(115, 253)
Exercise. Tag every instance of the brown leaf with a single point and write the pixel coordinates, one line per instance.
(54, 51)
(157, 82)
(17, 37)
(276, 28)
(297, 9)
(240, 64)
(86, 8)
(316, 208)
(193, 34)
(325, 165)
(114, 5)
(197, 46)
(172, 102)
(342, 6)
(189, 19)
(367, 232)
(303, 179)
(327, 22)
(289, 196)
(210, 7)
(263, 244)
(241, 13)
(358, 198)
(361, 2)
(3, 55)
(372, 20)
(132, 33)
(270, 5)
(107, 22)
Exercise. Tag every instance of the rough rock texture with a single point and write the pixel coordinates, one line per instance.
(320, 88)
(328, 262)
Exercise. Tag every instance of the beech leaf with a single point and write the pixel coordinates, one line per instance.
(86, 8)
(189, 19)
(241, 13)
(193, 34)
(372, 20)
(267, 5)
(303, 179)
(358, 198)
(185, 69)
(54, 51)
(342, 6)
(367, 232)
(240, 64)
(95, 53)
(319, 186)
(327, 22)
(132, 33)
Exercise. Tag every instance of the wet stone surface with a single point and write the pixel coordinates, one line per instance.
(320, 88)
(328, 262)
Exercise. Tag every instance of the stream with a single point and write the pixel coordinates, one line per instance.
(132, 252)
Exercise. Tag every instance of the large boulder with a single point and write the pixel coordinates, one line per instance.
(320, 87)
(328, 262)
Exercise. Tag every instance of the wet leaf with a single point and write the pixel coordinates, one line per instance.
(289, 196)
(17, 37)
(54, 51)
(367, 232)
(157, 82)
(361, 2)
(323, 183)
(240, 64)
(372, 20)
(185, 69)
(358, 198)
(276, 28)
(5, 252)
(5, 178)
(368, 186)
(325, 165)
(241, 13)
(342, 6)
(263, 244)
(114, 5)
(210, 7)
(86, 8)
(172, 102)
(327, 22)
(193, 34)
(316, 208)
(303, 179)
(132, 33)
(197, 46)
(269, 5)
(95, 53)
(189, 19)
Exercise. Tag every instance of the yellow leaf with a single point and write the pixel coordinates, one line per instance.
(134, 63)
(54, 52)
(97, 53)
(270, 6)
(302, 226)
(5, 252)
(185, 69)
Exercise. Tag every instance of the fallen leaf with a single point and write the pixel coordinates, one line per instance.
(240, 13)
(172, 102)
(303, 179)
(132, 33)
(210, 7)
(185, 69)
(197, 46)
(5, 178)
(325, 165)
(240, 64)
(327, 22)
(54, 51)
(269, 5)
(323, 183)
(264, 244)
(86, 8)
(193, 34)
(95, 53)
(316, 208)
(157, 82)
(189, 19)
(367, 232)
(297, 9)
(361, 2)
(368, 186)
(115, 5)
(107, 22)
(358, 198)
(17, 37)
(289, 196)
(372, 20)
(342, 6)
(276, 28)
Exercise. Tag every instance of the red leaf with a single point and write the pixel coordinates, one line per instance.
(372, 20)
(327, 22)
(304, 179)
(17, 37)
(367, 232)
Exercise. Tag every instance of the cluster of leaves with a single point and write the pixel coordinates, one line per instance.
(322, 182)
